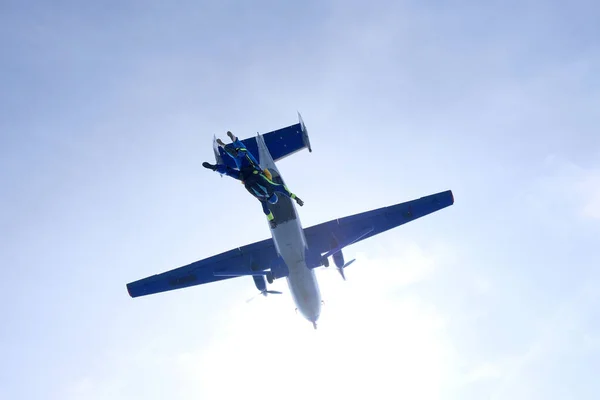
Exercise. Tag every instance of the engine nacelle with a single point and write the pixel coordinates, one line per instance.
(260, 282)
(338, 259)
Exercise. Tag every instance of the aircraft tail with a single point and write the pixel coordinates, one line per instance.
(280, 143)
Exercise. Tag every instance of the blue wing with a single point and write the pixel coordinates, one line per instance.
(255, 258)
(281, 143)
(243, 261)
(330, 237)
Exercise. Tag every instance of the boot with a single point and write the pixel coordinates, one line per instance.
(209, 166)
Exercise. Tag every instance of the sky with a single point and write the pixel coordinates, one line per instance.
(108, 109)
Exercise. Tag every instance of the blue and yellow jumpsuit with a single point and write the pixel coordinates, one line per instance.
(253, 178)
(240, 154)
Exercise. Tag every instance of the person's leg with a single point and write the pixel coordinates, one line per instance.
(241, 156)
(280, 189)
(234, 150)
(223, 170)
(241, 152)
(266, 210)
(256, 189)
(262, 194)
(233, 153)
(268, 213)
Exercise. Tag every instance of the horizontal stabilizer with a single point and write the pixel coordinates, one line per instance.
(281, 143)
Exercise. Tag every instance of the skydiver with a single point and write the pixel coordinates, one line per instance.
(240, 154)
(246, 162)
(238, 151)
(258, 185)
(254, 179)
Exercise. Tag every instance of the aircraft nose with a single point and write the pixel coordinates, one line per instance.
(311, 315)
(313, 320)
(310, 310)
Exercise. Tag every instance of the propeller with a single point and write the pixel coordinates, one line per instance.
(264, 293)
(341, 270)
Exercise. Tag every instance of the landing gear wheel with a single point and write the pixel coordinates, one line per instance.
(325, 262)
(270, 278)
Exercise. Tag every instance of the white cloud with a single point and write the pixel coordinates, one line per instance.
(81, 388)
(483, 371)
(409, 265)
(591, 341)
(560, 335)
(482, 286)
(589, 187)
(565, 188)
(369, 344)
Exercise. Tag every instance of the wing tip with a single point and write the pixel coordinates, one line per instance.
(129, 287)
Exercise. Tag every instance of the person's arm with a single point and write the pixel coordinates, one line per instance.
(225, 170)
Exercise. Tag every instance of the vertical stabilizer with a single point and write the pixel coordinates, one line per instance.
(264, 156)
(218, 158)
(305, 138)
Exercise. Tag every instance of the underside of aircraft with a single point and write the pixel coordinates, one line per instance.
(293, 252)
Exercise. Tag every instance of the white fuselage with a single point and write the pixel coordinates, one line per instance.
(291, 245)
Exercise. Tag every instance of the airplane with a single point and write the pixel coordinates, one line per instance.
(292, 252)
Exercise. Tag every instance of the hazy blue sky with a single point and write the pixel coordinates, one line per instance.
(108, 109)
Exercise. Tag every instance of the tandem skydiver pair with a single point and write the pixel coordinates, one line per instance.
(255, 180)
